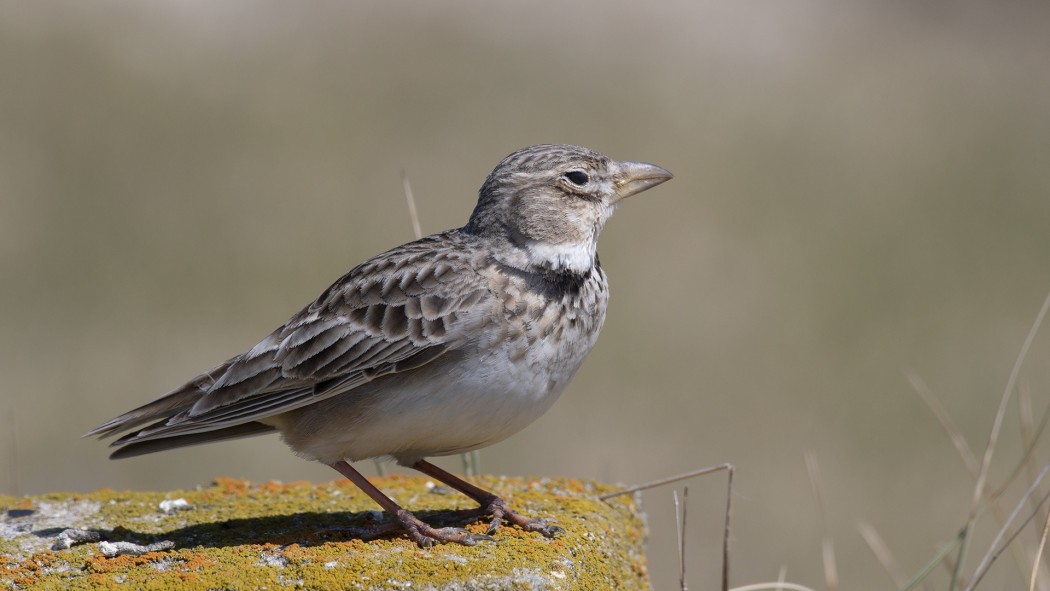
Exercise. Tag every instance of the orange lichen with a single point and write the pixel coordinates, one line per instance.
(232, 486)
(279, 535)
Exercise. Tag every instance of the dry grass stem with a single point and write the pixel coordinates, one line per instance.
(680, 528)
(730, 471)
(951, 566)
(942, 557)
(831, 575)
(939, 558)
(945, 419)
(1029, 437)
(471, 462)
(1009, 541)
(777, 585)
(412, 213)
(725, 532)
(12, 435)
(1026, 418)
(1039, 554)
(993, 437)
(668, 480)
(995, 549)
(969, 459)
(881, 552)
(1028, 458)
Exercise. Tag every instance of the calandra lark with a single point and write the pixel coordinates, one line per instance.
(440, 346)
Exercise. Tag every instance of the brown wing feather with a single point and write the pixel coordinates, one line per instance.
(395, 312)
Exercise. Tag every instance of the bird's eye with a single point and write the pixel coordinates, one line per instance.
(577, 177)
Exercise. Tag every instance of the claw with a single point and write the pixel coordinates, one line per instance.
(489, 503)
(551, 531)
(497, 507)
(494, 526)
(460, 536)
(427, 536)
(545, 526)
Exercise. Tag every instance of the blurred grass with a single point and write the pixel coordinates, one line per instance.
(861, 189)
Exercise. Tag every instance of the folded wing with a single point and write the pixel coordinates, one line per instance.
(396, 312)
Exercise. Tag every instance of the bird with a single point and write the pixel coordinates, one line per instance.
(440, 346)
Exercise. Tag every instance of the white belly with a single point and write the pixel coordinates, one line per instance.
(459, 402)
(511, 370)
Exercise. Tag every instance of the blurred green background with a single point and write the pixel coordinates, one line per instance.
(862, 189)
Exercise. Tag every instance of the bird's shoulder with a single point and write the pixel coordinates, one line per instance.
(429, 277)
(426, 293)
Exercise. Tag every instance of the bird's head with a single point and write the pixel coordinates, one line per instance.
(551, 201)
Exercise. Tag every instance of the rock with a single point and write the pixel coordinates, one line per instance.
(238, 535)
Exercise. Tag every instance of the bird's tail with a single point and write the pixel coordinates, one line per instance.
(166, 407)
(149, 446)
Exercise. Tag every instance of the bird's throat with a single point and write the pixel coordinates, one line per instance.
(576, 258)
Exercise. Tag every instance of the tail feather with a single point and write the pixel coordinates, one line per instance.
(149, 446)
(162, 408)
(165, 407)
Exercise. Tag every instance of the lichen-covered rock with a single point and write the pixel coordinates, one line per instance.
(236, 535)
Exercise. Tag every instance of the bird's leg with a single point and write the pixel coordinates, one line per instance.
(420, 532)
(490, 503)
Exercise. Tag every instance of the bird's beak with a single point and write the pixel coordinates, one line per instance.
(635, 177)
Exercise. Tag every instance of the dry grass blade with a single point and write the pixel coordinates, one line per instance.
(1008, 542)
(949, 426)
(775, 585)
(726, 529)
(407, 186)
(1026, 417)
(955, 434)
(1030, 436)
(951, 565)
(668, 480)
(679, 524)
(995, 549)
(471, 462)
(693, 474)
(831, 575)
(940, 558)
(1028, 457)
(882, 553)
(993, 437)
(990, 496)
(12, 434)
(1039, 554)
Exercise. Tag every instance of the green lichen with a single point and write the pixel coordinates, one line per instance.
(320, 536)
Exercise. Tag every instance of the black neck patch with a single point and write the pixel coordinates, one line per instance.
(554, 285)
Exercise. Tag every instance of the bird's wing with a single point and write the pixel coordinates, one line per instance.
(396, 312)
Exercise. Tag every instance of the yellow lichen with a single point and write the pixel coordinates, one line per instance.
(244, 536)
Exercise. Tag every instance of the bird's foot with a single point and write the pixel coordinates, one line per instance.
(498, 509)
(427, 536)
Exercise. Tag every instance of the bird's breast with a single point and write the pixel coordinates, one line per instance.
(547, 324)
(521, 359)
